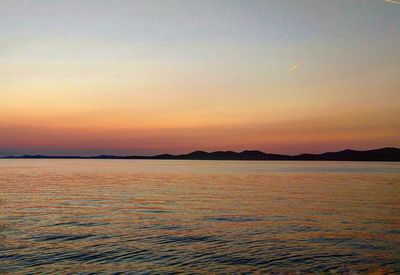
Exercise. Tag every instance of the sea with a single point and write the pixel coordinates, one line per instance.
(198, 217)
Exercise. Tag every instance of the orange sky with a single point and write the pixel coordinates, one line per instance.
(284, 77)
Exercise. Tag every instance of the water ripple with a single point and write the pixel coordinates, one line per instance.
(143, 217)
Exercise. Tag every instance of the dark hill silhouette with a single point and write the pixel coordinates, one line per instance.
(383, 154)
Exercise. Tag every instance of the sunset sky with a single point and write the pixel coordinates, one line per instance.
(148, 77)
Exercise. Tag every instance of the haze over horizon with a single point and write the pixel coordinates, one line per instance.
(151, 77)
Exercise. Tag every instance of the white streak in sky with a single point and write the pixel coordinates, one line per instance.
(294, 67)
(393, 2)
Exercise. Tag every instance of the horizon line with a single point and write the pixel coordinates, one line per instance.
(232, 155)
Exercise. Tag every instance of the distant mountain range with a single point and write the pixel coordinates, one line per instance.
(382, 154)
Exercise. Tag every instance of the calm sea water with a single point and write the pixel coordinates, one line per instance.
(149, 216)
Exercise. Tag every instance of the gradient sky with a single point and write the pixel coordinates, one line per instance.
(148, 77)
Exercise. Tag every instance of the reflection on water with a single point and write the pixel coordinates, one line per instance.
(198, 216)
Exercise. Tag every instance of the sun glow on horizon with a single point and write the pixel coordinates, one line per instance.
(84, 78)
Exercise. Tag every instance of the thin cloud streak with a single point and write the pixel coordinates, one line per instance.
(393, 2)
(294, 67)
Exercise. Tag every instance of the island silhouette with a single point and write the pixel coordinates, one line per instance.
(381, 154)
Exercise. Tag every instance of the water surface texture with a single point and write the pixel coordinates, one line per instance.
(163, 216)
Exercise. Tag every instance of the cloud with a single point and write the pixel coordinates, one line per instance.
(294, 67)
(393, 2)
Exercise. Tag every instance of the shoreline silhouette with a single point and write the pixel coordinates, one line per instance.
(381, 154)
